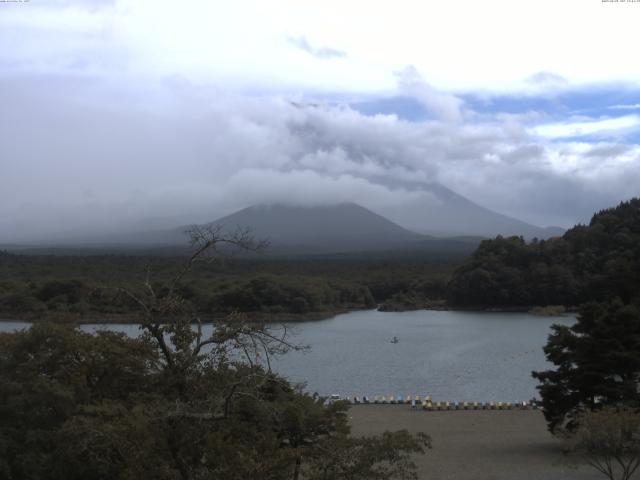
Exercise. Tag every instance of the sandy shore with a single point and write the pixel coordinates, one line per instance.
(478, 445)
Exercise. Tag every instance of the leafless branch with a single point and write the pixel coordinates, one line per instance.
(205, 239)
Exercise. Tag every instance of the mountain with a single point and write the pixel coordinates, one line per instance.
(430, 214)
(330, 230)
(439, 211)
(343, 227)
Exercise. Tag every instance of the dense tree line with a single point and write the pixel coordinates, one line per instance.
(597, 359)
(292, 294)
(588, 263)
(37, 287)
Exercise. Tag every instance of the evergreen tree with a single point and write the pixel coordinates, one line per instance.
(597, 363)
(588, 263)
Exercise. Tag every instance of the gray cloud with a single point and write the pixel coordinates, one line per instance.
(101, 129)
(318, 52)
(605, 151)
(81, 153)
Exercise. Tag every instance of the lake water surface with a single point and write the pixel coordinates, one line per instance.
(451, 355)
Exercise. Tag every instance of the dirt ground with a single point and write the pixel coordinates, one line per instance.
(478, 445)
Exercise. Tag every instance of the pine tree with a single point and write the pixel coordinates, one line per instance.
(597, 363)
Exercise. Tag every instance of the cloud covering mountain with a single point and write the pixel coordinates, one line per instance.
(108, 124)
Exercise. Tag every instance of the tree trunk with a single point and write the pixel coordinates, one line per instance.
(296, 471)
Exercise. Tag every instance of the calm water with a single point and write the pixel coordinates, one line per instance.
(455, 356)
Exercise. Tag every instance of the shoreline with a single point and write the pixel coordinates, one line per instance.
(127, 318)
(132, 319)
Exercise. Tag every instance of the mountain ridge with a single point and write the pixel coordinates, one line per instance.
(440, 211)
(344, 226)
(430, 211)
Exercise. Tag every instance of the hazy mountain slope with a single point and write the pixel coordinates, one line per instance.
(343, 229)
(337, 227)
(440, 211)
(432, 210)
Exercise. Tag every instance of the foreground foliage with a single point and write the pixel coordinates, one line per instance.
(79, 406)
(175, 403)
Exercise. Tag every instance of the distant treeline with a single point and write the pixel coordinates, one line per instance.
(588, 263)
(83, 287)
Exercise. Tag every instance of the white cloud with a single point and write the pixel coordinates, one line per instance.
(491, 45)
(547, 79)
(635, 106)
(595, 127)
(443, 105)
(136, 107)
(318, 52)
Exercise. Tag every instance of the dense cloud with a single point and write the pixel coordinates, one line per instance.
(84, 154)
(118, 115)
(318, 52)
(442, 105)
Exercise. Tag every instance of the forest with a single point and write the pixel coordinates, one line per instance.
(590, 262)
(81, 287)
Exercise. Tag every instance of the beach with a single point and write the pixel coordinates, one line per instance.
(477, 444)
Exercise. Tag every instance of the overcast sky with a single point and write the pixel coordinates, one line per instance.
(139, 113)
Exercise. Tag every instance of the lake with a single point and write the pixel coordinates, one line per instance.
(450, 355)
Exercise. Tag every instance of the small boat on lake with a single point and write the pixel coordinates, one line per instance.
(395, 340)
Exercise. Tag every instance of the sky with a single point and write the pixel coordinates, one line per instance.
(138, 114)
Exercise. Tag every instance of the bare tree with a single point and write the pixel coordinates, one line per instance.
(609, 439)
(176, 327)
